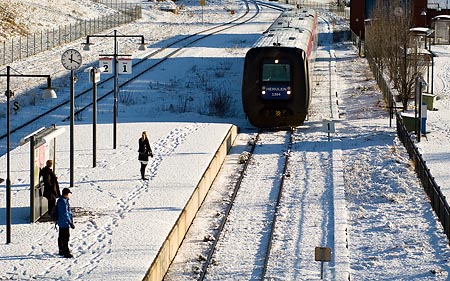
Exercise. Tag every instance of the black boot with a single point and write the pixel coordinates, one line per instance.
(143, 172)
(68, 255)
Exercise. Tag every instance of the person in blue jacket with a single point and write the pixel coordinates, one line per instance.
(65, 222)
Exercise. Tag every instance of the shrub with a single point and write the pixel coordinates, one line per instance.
(219, 103)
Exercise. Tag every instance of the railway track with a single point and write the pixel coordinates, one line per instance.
(280, 205)
(259, 148)
(140, 67)
(276, 189)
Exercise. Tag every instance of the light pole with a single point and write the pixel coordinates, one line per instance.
(116, 74)
(94, 77)
(48, 93)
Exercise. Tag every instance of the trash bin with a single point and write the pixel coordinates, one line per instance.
(409, 121)
(429, 99)
(423, 127)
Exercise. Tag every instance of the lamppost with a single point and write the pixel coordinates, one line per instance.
(94, 77)
(48, 93)
(116, 75)
(425, 11)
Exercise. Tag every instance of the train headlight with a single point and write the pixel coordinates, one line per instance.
(288, 90)
(263, 90)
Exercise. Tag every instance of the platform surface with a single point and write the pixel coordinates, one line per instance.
(121, 221)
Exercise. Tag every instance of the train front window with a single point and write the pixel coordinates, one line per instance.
(278, 72)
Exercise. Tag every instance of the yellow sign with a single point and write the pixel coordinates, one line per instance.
(202, 2)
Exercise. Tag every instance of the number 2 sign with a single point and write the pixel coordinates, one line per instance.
(106, 63)
(124, 66)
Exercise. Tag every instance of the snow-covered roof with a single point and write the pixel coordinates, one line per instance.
(292, 29)
(425, 30)
(442, 17)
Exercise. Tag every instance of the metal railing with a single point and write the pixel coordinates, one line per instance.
(437, 199)
(18, 48)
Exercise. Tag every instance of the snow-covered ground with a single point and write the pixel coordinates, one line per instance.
(32, 16)
(392, 231)
(382, 193)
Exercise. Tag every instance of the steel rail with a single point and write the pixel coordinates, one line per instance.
(236, 189)
(228, 209)
(280, 194)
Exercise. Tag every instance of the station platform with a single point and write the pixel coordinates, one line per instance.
(125, 228)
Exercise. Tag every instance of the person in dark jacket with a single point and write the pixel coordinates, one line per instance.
(65, 222)
(51, 186)
(144, 152)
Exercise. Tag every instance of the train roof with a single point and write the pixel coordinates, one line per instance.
(292, 28)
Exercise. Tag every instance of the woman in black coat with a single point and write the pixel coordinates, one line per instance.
(144, 152)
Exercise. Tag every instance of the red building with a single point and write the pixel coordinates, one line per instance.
(422, 11)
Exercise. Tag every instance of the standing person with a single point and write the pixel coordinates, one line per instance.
(51, 186)
(144, 152)
(65, 222)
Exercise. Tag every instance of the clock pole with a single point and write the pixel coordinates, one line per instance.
(72, 125)
(71, 60)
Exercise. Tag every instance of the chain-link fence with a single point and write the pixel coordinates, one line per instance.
(22, 47)
(340, 10)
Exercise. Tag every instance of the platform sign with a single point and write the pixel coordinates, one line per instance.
(322, 254)
(202, 2)
(106, 63)
(94, 75)
(125, 66)
(328, 126)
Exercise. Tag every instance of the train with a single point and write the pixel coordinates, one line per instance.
(276, 82)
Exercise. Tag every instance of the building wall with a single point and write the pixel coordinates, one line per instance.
(360, 10)
(357, 17)
(418, 7)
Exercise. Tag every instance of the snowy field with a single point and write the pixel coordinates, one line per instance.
(392, 232)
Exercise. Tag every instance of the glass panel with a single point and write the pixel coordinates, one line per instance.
(276, 72)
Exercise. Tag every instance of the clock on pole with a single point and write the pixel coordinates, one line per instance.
(71, 59)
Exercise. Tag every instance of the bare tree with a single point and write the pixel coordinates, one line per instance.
(388, 40)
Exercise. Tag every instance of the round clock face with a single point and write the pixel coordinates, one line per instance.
(71, 59)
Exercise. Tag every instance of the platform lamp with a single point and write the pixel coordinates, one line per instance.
(47, 93)
(94, 77)
(142, 47)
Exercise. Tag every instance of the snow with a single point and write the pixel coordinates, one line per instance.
(359, 187)
(31, 16)
(442, 4)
